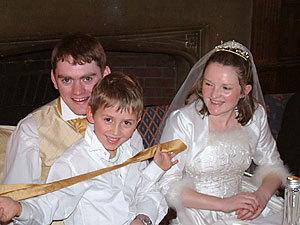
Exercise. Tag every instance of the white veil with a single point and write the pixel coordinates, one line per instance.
(197, 71)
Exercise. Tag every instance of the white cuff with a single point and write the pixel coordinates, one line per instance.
(153, 172)
(25, 214)
(262, 171)
(174, 194)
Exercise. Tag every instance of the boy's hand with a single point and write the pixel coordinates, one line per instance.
(164, 160)
(136, 222)
(9, 209)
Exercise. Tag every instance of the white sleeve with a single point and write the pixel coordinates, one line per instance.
(22, 159)
(136, 141)
(173, 182)
(176, 128)
(149, 200)
(266, 155)
(57, 205)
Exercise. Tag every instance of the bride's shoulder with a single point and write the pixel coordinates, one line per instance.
(258, 116)
(192, 108)
(259, 111)
(188, 113)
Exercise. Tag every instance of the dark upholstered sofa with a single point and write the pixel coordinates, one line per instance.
(153, 117)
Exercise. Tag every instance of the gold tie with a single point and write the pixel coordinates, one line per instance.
(79, 124)
(23, 191)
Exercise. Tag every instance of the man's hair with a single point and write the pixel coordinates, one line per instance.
(246, 105)
(82, 47)
(118, 89)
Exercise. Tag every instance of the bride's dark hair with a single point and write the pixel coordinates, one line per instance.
(246, 105)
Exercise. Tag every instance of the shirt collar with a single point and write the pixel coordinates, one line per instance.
(67, 113)
(96, 145)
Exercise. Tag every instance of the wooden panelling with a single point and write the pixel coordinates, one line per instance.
(275, 44)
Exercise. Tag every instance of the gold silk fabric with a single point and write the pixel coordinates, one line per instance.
(55, 136)
(23, 191)
(79, 124)
(5, 132)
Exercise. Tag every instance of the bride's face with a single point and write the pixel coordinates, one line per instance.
(221, 89)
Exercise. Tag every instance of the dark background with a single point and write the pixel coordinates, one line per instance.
(156, 40)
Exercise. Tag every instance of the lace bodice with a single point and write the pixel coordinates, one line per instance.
(218, 168)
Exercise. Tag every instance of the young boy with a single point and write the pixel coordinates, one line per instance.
(127, 195)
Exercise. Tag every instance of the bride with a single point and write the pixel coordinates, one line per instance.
(219, 114)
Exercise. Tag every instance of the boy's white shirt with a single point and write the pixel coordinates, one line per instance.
(24, 150)
(112, 198)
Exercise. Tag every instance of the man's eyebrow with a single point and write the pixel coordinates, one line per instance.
(89, 75)
(63, 76)
(71, 77)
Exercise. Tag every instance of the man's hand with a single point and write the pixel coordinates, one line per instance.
(164, 160)
(9, 209)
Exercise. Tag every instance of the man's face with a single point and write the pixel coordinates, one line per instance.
(75, 83)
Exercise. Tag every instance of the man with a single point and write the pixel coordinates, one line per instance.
(125, 196)
(78, 62)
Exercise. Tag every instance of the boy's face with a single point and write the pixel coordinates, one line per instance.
(112, 127)
(75, 83)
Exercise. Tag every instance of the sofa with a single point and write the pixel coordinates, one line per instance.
(152, 119)
(154, 115)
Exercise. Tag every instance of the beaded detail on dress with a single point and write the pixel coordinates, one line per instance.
(218, 168)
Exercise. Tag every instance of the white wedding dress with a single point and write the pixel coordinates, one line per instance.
(218, 174)
(214, 164)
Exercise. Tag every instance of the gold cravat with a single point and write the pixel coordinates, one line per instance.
(79, 124)
(23, 191)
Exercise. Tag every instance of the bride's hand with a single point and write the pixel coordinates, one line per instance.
(245, 214)
(240, 201)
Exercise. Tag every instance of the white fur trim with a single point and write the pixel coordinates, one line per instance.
(174, 194)
(174, 199)
(262, 171)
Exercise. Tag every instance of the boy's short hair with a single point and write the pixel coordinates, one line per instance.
(118, 89)
(82, 47)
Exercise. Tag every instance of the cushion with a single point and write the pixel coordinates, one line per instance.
(275, 106)
(5, 132)
(151, 121)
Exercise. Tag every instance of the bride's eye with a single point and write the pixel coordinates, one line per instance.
(227, 88)
(207, 84)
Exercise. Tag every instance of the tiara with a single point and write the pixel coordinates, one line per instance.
(233, 47)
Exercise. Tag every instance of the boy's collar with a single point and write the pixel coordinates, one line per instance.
(96, 145)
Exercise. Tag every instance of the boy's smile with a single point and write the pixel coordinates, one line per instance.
(112, 127)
